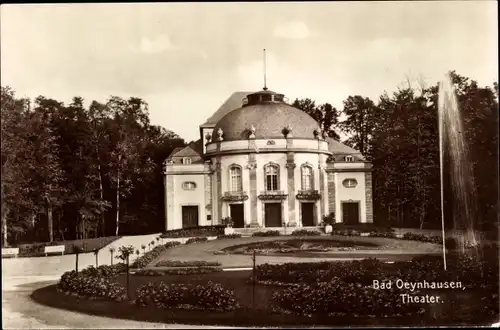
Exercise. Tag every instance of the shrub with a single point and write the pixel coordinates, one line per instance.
(340, 298)
(212, 297)
(227, 221)
(361, 227)
(105, 270)
(149, 256)
(305, 232)
(90, 286)
(179, 271)
(195, 232)
(382, 234)
(196, 240)
(194, 263)
(230, 236)
(267, 233)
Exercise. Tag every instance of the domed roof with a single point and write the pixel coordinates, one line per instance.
(268, 114)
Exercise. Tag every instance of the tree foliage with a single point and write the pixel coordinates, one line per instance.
(71, 172)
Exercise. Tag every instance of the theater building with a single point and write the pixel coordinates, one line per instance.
(265, 164)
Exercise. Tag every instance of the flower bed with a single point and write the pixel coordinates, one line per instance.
(196, 240)
(179, 271)
(472, 273)
(267, 233)
(210, 297)
(361, 227)
(382, 234)
(148, 257)
(90, 286)
(337, 298)
(229, 236)
(106, 271)
(204, 231)
(304, 232)
(179, 263)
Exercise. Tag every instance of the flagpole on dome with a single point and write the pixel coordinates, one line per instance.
(265, 84)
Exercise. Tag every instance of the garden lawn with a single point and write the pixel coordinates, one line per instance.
(386, 248)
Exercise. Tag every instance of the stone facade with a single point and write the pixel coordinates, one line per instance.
(252, 146)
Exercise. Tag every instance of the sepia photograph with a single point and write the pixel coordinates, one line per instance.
(192, 165)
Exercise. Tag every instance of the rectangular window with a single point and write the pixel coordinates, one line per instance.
(272, 178)
(236, 184)
(306, 178)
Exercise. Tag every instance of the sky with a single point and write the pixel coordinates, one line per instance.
(186, 59)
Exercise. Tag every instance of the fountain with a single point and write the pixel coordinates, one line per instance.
(452, 141)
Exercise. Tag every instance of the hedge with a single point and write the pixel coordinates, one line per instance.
(195, 232)
(196, 240)
(179, 263)
(149, 256)
(305, 232)
(179, 271)
(209, 297)
(267, 233)
(229, 236)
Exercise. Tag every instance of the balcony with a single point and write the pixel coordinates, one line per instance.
(272, 195)
(235, 196)
(313, 195)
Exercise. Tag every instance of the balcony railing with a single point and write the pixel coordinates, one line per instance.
(308, 195)
(235, 196)
(272, 195)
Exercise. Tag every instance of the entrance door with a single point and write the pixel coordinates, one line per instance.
(237, 215)
(272, 214)
(307, 214)
(350, 213)
(189, 216)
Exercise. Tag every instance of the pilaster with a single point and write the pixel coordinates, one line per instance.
(290, 166)
(252, 167)
(369, 196)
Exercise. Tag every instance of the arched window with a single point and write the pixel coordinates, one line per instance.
(235, 178)
(272, 177)
(307, 177)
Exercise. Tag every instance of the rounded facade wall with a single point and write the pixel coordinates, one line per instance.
(253, 184)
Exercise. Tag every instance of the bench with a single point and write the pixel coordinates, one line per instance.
(55, 249)
(10, 252)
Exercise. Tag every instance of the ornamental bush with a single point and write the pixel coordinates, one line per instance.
(229, 236)
(212, 297)
(179, 271)
(150, 256)
(106, 271)
(267, 233)
(340, 298)
(90, 286)
(305, 232)
(196, 240)
(382, 234)
(195, 232)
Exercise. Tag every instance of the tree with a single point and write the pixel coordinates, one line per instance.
(324, 114)
(359, 124)
(12, 143)
(46, 177)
